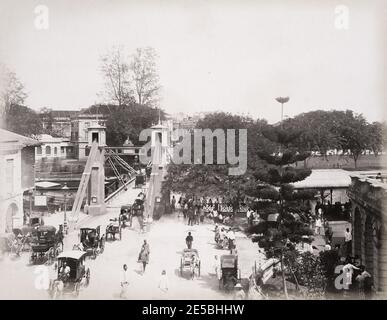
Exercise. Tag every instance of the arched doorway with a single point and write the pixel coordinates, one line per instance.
(11, 213)
(369, 246)
(357, 233)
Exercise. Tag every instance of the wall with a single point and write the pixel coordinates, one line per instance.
(11, 194)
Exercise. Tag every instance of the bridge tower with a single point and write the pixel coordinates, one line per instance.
(96, 185)
(160, 143)
(92, 182)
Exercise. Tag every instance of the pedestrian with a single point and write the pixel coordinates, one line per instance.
(348, 270)
(348, 241)
(143, 257)
(362, 280)
(124, 281)
(239, 293)
(231, 239)
(249, 217)
(191, 215)
(216, 205)
(210, 204)
(189, 240)
(318, 225)
(185, 209)
(173, 203)
(163, 282)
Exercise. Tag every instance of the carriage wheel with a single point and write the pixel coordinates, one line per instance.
(32, 258)
(102, 246)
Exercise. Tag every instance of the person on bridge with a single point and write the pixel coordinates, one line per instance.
(231, 239)
(191, 214)
(143, 257)
(124, 281)
(173, 204)
(189, 240)
(163, 282)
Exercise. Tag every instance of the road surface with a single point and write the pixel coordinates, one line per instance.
(166, 238)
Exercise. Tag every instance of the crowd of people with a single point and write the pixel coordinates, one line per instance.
(196, 209)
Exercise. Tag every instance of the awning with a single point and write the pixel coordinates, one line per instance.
(325, 179)
(46, 184)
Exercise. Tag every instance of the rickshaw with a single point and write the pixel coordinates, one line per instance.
(190, 261)
(230, 274)
(112, 229)
(140, 180)
(125, 216)
(71, 274)
(45, 245)
(91, 241)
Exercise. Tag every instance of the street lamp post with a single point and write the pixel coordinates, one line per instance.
(65, 189)
(282, 100)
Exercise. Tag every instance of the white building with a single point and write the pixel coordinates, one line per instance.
(17, 157)
(52, 147)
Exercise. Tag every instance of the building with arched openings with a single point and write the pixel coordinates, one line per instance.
(368, 196)
(17, 157)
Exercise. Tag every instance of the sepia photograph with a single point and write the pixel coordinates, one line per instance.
(193, 151)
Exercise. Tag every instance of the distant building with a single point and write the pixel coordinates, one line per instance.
(80, 125)
(53, 147)
(58, 122)
(17, 158)
(368, 196)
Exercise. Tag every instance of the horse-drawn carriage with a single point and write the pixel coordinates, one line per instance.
(229, 272)
(190, 261)
(46, 244)
(71, 274)
(125, 216)
(91, 241)
(113, 228)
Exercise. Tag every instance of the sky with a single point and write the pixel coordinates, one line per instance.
(234, 56)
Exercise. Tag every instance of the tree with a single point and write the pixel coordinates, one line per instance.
(318, 133)
(308, 271)
(12, 90)
(280, 238)
(126, 121)
(116, 72)
(213, 179)
(353, 131)
(23, 120)
(145, 76)
(376, 132)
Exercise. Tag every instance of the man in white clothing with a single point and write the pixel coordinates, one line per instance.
(124, 281)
